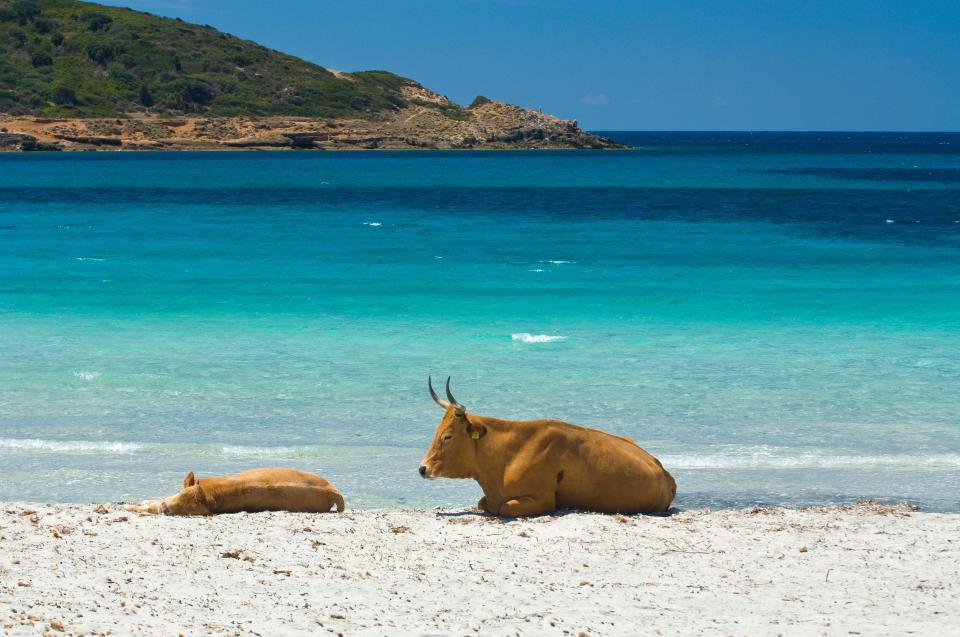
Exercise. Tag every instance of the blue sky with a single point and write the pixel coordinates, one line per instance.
(667, 65)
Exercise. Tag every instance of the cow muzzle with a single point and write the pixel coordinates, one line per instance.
(425, 472)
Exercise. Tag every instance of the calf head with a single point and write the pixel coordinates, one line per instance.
(453, 453)
(192, 499)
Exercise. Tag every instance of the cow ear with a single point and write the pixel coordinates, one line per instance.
(189, 480)
(476, 431)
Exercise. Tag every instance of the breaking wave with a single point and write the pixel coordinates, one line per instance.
(175, 449)
(69, 446)
(526, 337)
(238, 450)
(763, 460)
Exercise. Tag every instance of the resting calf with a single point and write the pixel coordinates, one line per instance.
(273, 489)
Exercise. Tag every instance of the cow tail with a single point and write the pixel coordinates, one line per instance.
(338, 500)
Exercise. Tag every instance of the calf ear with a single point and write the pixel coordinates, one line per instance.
(189, 480)
(203, 498)
(476, 431)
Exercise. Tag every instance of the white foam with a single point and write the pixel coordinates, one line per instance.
(538, 270)
(372, 224)
(526, 337)
(236, 450)
(89, 259)
(890, 221)
(764, 460)
(87, 375)
(69, 446)
(558, 262)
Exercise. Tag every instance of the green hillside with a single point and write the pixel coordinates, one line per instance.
(78, 59)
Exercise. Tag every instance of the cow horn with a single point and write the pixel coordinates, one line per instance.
(433, 394)
(453, 401)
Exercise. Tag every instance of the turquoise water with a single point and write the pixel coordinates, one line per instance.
(776, 317)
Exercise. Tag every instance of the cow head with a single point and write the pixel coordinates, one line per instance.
(453, 453)
(192, 499)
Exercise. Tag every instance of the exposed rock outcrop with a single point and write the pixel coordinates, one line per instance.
(17, 141)
(432, 122)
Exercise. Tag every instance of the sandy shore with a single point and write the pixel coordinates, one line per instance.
(866, 570)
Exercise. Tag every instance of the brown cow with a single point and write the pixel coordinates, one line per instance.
(273, 489)
(537, 466)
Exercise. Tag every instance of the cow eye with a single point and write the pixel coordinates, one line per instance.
(447, 437)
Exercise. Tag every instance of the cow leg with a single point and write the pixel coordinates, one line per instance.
(147, 507)
(528, 505)
(482, 504)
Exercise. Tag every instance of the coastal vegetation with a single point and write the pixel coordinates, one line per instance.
(64, 58)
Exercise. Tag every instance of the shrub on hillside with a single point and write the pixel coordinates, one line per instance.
(96, 21)
(25, 10)
(101, 53)
(41, 59)
(44, 25)
(479, 100)
(64, 95)
(146, 97)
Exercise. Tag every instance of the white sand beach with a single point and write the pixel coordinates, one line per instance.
(868, 569)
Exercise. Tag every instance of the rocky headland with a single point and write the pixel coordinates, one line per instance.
(82, 76)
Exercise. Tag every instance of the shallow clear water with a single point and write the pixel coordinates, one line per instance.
(776, 317)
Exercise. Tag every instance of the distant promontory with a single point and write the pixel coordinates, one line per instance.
(79, 76)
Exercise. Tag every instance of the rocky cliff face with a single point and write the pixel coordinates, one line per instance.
(494, 124)
(424, 125)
